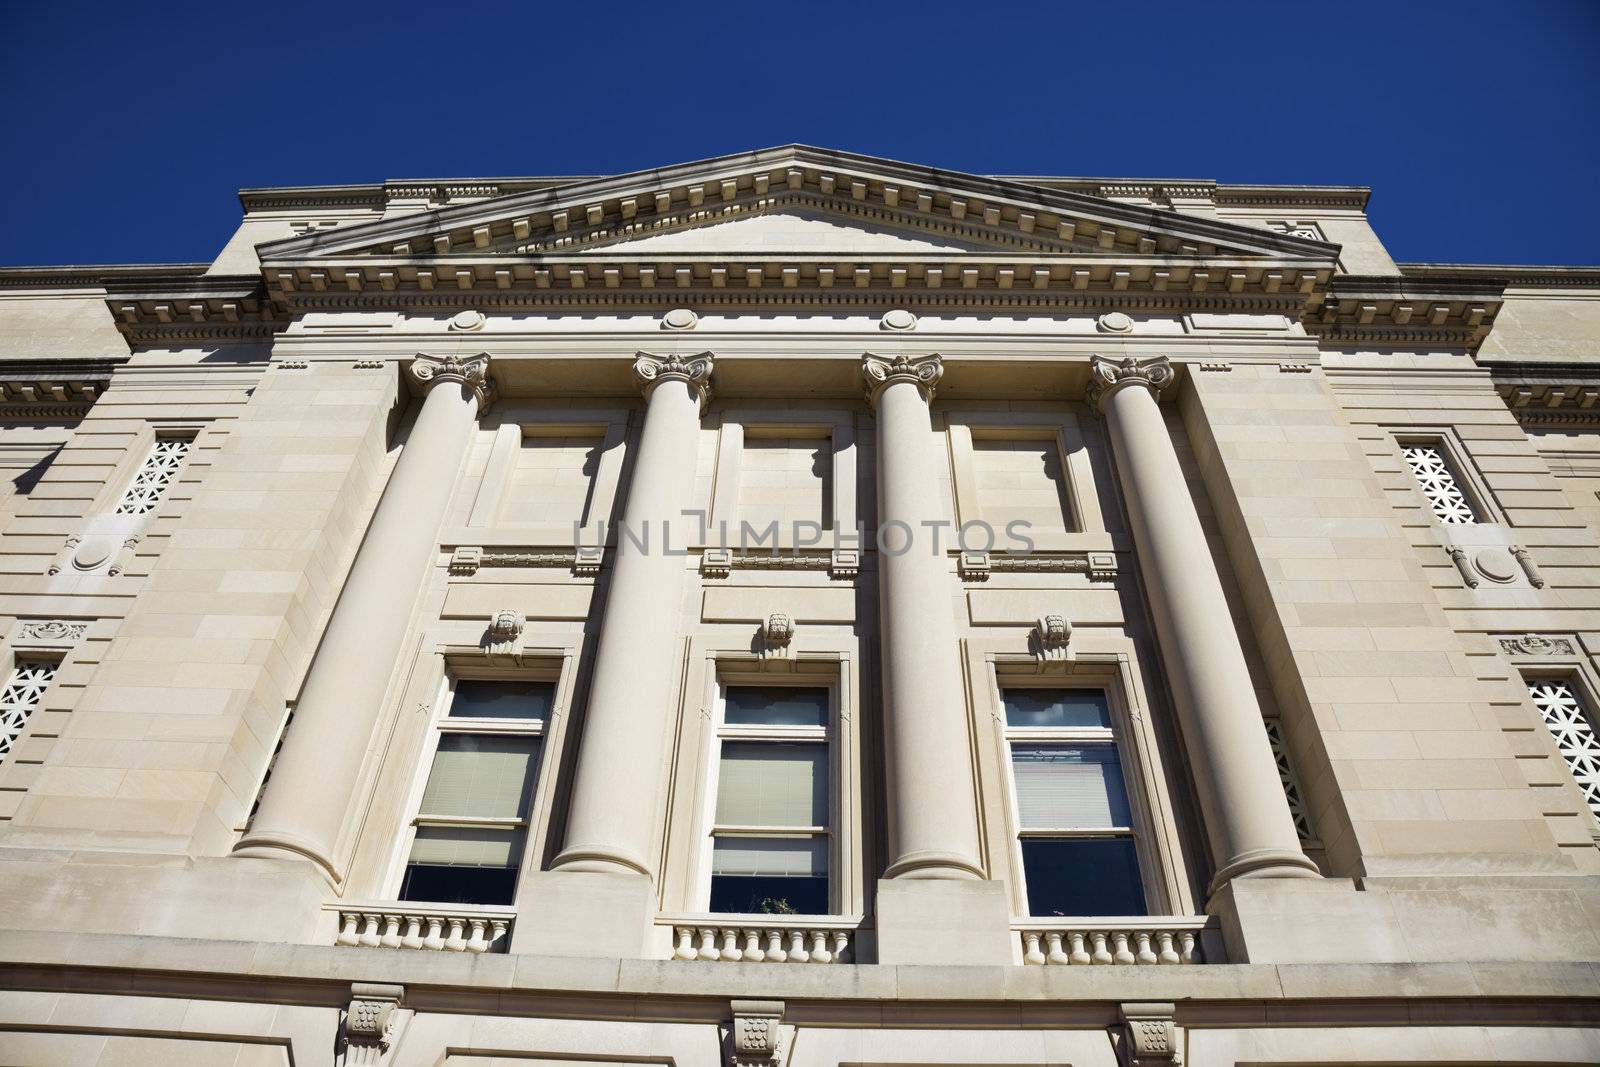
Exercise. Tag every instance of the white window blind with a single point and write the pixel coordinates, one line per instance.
(480, 776)
(466, 846)
(770, 857)
(1069, 786)
(767, 784)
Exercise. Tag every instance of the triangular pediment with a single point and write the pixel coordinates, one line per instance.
(799, 201)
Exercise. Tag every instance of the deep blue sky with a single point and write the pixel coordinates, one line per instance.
(128, 127)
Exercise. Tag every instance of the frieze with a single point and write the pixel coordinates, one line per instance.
(1537, 645)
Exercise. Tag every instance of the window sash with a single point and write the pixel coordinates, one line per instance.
(481, 775)
(772, 783)
(1069, 786)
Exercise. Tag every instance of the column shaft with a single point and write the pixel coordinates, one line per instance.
(1247, 817)
(933, 829)
(615, 804)
(304, 809)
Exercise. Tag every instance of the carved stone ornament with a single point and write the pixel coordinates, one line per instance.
(369, 1024)
(1051, 636)
(471, 372)
(1106, 376)
(1114, 322)
(52, 630)
(467, 321)
(1149, 1035)
(880, 372)
(1536, 645)
(756, 1037)
(695, 371)
(505, 627)
(898, 319)
(777, 632)
(680, 319)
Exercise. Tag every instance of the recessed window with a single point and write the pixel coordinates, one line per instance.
(1572, 723)
(1431, 467)
(770, 827)
(23, 691)
(1074, 823)
(1020, 481)
(786, 480)
(155, 476)
(472, 820)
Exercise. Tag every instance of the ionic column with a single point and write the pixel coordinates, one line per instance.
(615, 794)
(303, 810)
(1246, 815)
(933, 829)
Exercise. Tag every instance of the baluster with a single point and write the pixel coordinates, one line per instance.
(685, 949)
(497, 930)
(819, 947)
(752, 946)
(708, 944)
(775, 951)
(1052, 944)
(457, 941)
(391, 931)
(1144, 955)
(435, 938)
(730, 945)
(475, 941)
(348, 932)
(841, 947)
(1030, 947)
(1079, 955)
(1164, 942)
(1119, 941)
(797, 947)
(1099, 955)
(369, 930)
(1186, 946)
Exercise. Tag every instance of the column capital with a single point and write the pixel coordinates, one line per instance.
(694, 371)
(882, 371)
(1106, 376)
(471, 372)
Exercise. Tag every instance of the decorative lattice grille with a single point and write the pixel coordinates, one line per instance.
(1291, 784)
(23, 689)
(1439, 485)
(1570, 725)
(154, 476)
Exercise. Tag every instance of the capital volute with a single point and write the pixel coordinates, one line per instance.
(469, 372)
(881, 372)
(694, 371)
(1106, 376)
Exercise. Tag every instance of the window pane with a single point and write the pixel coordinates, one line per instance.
(1069, 786)
(1057, 707)
(772, 784)
(772, 875)
(463, 865)
(482, 776)
(502, 700)
(776, 706)
(1082, 876)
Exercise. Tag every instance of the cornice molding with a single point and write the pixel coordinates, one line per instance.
(34, 389)
(1442, 310)
(178, 308)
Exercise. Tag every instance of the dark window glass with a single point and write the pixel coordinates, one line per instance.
(743, 894)
(776, 706)
(459, 885)
(1082, 876)
(502, 700)
(1057, 707)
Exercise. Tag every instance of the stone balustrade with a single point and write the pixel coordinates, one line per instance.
(1155, 940)
(443, 928)
(763, 938)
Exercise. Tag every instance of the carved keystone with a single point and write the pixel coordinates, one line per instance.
(776, 634)
(1149, 1035)
(370, 1022)
(756, 1036)
(1051, 636)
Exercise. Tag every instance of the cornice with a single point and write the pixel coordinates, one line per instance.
(1550, 394)
(1444, 311)
(32, 389)
(93, 275)
(1530, 277)
(186, 309)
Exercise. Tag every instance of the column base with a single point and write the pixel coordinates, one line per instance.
(934, 866)
(932, 921)
(1265, 863)
(583, 913)
(273, 846)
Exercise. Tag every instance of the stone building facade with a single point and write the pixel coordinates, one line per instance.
(800, 609)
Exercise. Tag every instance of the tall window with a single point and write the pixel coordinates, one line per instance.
(29, 679)
(155, 475)
(770, 829)
(472, 820)
(1572, 724)
(1074, 825)
(1431, 468)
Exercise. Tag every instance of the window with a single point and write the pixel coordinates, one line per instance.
(770, 840)
(1020, 481)
(1573, 727)
(155, 476)
(29, 679)
(786, 480)
(1074, 825)
(1439, 483)
(472, 818)
(553, 481)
